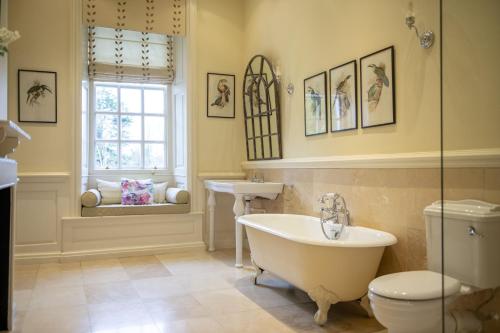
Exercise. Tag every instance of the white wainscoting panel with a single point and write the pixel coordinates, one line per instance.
(85, 237)
(42, 199)
(36, 216)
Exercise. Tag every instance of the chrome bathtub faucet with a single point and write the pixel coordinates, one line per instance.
(335, 216)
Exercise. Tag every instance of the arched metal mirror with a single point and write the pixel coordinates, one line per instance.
(261, 105)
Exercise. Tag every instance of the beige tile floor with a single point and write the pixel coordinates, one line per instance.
(192, 291)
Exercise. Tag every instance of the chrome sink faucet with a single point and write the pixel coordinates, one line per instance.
(334, 216)
(256, 179)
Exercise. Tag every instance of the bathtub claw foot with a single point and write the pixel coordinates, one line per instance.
(258, 272)
(321, 316)
(365, 304)
(324, 299)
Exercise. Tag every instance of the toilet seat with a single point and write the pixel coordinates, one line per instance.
(411, 302)
(414, 285)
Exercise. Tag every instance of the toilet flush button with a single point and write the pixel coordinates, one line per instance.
(472, 232)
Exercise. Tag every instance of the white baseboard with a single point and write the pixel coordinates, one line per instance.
(39, 258)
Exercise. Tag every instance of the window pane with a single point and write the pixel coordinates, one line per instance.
(106, 155)
(153, 101)
(131, 155)
(131, 128)
(154, 155)
(130, 100)
(106, 99)
(106, 127)
(154, 128)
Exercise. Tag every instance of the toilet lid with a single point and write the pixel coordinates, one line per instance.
(414, 285)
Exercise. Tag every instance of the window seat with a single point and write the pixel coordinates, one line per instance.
(121, 210)
(176, 202)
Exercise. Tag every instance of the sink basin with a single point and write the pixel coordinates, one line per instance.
(267, 190)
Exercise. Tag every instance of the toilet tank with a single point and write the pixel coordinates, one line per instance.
(471, 241)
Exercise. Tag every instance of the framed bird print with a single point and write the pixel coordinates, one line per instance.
(315, 114)
(343, 97)
(220, 95)
(37, 96)
(378, 99)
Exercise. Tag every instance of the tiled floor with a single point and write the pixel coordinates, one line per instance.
(178, 292)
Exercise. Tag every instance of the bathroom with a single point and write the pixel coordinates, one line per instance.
(170, 267)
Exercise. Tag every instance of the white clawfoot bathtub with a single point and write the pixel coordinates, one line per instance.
(294, 248)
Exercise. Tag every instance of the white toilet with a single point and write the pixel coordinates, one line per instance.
(411, 302)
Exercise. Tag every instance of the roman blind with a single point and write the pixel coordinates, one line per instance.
(166, 17)
(131, 40)
(130, 56)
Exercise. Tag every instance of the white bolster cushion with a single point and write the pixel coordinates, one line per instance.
(177, 195)
(91, 198)
(111, 192)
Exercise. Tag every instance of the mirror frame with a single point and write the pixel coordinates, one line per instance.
(271, 87)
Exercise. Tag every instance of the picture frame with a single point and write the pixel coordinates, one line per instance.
(343, 97)
(37, 96)
(220, 95)
(378, 95)
(315, 105)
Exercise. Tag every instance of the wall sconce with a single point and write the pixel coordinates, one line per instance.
(277, 72)
(426, 39)
(290, 88)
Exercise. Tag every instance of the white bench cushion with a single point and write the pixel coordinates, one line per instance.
(120, 210)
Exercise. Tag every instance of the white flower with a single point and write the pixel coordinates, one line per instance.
(7, 36)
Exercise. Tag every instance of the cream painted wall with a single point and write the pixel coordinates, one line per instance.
(220, 41)
(45, 45)
(220, 145)
(305, 38)
(48, 47)
(220, 142)
(471, 52)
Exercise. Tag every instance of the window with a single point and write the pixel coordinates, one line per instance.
(129, 126)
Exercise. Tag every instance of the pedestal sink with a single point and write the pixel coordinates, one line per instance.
(244, 191)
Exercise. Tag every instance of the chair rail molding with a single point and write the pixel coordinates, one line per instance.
(44, 177)
(474, 158)
(221, 175)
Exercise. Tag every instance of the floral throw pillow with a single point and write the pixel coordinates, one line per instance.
(137, 192)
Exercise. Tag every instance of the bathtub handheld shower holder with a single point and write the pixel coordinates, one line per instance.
(333, 224)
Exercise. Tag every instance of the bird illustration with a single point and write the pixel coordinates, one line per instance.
(36, 91)
(314, 101)
(224, 93)
(252, 92)
(341, 102)
(376, 89)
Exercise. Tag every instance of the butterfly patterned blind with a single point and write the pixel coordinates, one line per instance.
(132, 40)
(130, 56)
(166, 17)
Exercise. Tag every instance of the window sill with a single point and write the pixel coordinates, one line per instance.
(157, 172)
